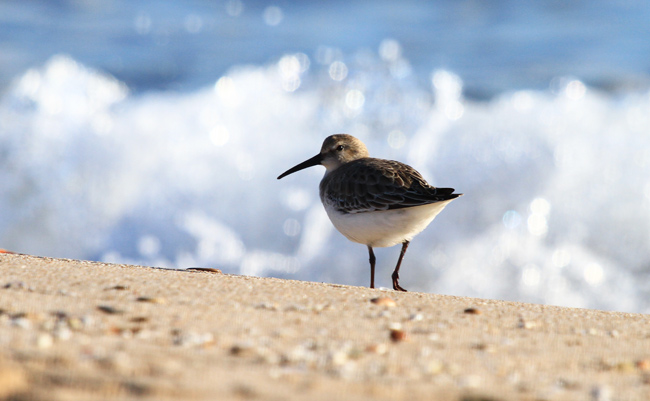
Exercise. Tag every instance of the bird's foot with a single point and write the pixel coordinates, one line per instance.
(396, 285)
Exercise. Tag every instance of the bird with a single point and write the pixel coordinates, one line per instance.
(371, 201)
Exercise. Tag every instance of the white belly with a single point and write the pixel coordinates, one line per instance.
(386, 227)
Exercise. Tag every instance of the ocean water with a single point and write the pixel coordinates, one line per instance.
(156, 138)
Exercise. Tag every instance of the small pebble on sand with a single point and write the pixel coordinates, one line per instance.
(151, 300)
(109, 310)
(384, 301)
(398, 335)
(205, 269)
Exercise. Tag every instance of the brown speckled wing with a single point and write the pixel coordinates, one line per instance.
(369, 184)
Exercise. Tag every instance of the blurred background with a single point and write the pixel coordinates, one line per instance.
(152, 132)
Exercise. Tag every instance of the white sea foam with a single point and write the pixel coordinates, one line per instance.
(557, 185)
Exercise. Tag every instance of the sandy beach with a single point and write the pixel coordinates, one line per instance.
(78, 330)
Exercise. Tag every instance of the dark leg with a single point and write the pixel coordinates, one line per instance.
(372, 267)
(395, 275)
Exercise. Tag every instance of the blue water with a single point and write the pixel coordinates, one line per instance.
(152, 132)
(184, 45)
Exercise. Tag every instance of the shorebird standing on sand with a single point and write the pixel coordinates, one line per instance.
(375, 202)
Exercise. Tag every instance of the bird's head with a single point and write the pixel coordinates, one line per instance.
(336, 150)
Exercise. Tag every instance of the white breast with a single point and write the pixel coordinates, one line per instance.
(386, 227)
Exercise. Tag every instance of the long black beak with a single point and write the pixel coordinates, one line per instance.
(307, 163)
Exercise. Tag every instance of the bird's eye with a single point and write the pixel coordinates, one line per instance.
(340, 148)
